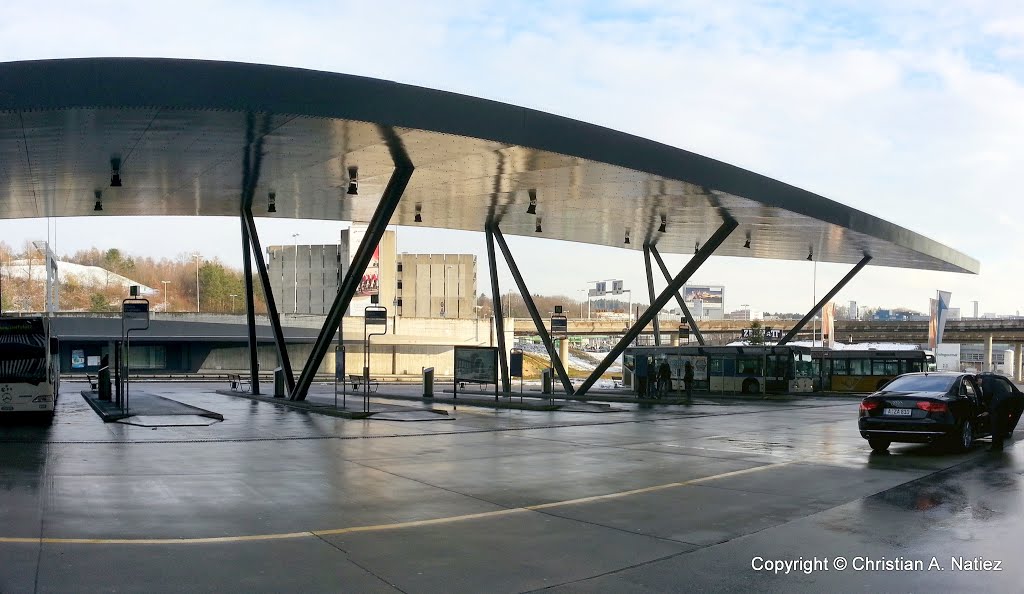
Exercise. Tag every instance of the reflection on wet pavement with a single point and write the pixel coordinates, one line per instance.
(789, 478)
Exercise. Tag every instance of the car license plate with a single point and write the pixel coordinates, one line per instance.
(897, 412)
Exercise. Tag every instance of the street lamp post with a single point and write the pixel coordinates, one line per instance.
(165, 294)
(295, 292)
(198, 259)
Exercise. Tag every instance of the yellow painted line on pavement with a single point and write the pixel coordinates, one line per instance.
(382, 527)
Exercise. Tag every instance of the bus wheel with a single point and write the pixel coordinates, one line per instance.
(750, 386)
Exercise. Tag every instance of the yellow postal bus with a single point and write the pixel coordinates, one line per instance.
(868, 370)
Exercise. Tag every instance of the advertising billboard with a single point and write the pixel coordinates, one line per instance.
(708, 295)
(370, 284)
(476, 364)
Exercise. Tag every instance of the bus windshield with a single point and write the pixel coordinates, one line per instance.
(803, 363)
(22, 351)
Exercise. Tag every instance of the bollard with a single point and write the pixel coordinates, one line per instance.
(428, 382)
(278, 382)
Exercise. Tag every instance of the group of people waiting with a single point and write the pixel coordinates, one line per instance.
(656, 382)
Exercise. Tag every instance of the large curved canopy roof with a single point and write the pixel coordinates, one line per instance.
(180, 129)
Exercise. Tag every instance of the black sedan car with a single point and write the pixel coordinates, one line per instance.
(925, 407)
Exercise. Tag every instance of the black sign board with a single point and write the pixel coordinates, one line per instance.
(684, 332)
(559, 325)
(376, 315)
(134, 314)
(135, 307)
(515, 363)
(773, 333)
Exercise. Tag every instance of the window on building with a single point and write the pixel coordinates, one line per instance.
(147, 357)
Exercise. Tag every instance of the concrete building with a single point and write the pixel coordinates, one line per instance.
(436, 286)
(305, 278)
(852, 313)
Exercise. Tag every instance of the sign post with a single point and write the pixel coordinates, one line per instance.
(373, 315)
(515, 368)
(134, 316)
(339, 376)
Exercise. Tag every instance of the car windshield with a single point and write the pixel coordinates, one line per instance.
(920, 383)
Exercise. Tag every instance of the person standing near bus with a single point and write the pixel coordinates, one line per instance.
(640, 372)
(688, 380)
(664, 379)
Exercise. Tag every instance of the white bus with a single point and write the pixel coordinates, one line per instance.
(29, 366)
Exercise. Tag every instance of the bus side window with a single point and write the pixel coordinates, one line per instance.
(715, 366)
(839, 367)
(860, 367)
(749, 366)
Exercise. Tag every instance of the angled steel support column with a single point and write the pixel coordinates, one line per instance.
(650, 292)
(250, 310)
(268, 294)
(251, 161)
(374, 232)
(679, 298)
(839, 287)
(499, 317)
(556, 362)
(684, 275)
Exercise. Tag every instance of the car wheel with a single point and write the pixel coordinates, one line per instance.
(966, 438)
(878, 445)
(750, 387)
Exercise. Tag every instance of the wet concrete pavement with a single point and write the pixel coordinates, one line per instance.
(646, 498)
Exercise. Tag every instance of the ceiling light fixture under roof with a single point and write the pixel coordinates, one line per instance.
(99, 201)
(626, 240)
(353, 181)
(419, 217)
(271, 202)
(532, 209)
(115, 172)
(664, 222)
(538, 229)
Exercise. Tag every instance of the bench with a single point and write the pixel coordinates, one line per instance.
(357, 380)
(239, 383)
(94, 382)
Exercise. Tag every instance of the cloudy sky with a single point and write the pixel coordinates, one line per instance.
(900, 109)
